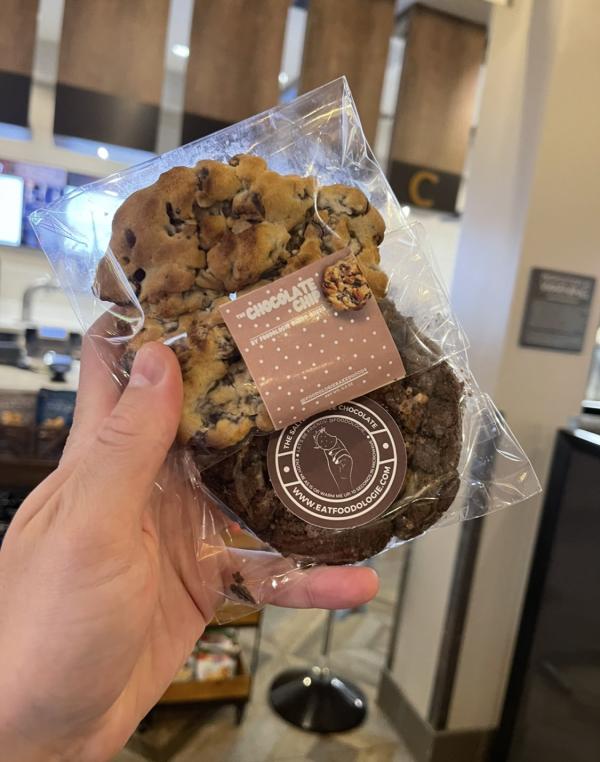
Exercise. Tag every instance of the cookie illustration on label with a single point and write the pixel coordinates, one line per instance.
(341, 468)
(345, 286)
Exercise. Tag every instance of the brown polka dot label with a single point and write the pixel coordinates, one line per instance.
(341, 468)
(305, 352)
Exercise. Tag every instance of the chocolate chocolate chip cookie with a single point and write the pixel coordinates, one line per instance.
(427, 407)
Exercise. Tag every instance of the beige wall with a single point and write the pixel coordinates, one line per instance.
(532, 201)
(19, 268)
(551, 221)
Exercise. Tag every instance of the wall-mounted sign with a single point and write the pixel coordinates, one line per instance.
(557, 310)
(424, 187)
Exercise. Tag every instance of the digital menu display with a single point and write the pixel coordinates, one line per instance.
(11, 209)
(38, 186)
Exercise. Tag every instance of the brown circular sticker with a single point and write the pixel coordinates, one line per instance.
(341, 468)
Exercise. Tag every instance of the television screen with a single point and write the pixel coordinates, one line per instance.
(11, 209)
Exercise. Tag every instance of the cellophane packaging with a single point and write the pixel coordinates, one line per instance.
(330, 411)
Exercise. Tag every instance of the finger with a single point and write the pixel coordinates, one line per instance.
(329, 587)
(132, 442)
(99, 388)
(258, 578)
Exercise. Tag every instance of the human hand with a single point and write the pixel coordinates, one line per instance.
(102, 591)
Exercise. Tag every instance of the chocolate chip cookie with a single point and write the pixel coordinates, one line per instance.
(198, 235)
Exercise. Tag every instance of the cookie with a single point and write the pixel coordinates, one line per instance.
(345, 286)
(198, 235)
(427, 408)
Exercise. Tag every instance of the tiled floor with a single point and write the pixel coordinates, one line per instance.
(292, 639)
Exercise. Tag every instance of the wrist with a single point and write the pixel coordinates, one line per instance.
(16, 746)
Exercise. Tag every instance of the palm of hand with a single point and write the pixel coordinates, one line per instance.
(132, 618)
(103, 590)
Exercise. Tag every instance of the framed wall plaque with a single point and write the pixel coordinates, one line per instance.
(557, 310)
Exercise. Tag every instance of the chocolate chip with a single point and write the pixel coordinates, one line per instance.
(139, 275)
(257, 201)
(248, 206)
(173, 218)
(203, 176)
(130, 237)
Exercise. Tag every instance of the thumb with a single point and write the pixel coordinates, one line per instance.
(119, 468)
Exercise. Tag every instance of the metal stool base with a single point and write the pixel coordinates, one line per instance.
(317, 700)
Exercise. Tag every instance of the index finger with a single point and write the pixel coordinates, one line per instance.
(329, 587)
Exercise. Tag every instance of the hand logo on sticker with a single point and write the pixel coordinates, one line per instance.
(339, 460)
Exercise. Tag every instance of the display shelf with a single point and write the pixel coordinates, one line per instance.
(236, 688)
(248, 620)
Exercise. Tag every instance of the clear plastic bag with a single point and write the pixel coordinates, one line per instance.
(463, 461)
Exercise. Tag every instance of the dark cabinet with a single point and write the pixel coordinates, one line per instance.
(552, 709)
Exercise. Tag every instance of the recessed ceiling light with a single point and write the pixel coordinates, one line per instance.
(102, 152)
(180, 50)
(283, 78)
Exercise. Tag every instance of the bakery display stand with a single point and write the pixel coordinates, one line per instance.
(316, 699)
(231, 690)
(154, 743)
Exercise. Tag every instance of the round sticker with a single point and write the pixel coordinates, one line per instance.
(341, 468)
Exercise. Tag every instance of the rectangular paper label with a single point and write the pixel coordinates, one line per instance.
(305, 354)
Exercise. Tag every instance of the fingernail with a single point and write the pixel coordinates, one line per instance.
(148, 367)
